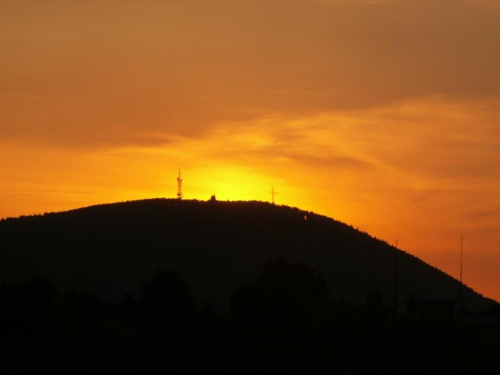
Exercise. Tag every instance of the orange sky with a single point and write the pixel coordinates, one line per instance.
(381, 114)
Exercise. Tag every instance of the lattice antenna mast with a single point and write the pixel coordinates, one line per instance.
(273, 193)
(179, 186)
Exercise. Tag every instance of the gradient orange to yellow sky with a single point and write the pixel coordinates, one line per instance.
(382, 114)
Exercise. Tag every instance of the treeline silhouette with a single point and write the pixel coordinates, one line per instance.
(284, 321)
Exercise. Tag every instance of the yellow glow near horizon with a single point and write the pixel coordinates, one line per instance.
(355, 110)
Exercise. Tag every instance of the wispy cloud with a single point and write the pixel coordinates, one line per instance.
(180, 68)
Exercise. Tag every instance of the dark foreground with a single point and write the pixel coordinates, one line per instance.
(282, 323)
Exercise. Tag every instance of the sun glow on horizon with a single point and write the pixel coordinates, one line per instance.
(355, 110)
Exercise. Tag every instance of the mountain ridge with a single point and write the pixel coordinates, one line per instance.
(111, 248)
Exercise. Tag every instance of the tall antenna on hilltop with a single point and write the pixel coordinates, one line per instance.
(179, 186)
(273, 193)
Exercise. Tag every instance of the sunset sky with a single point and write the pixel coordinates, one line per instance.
(383, 114)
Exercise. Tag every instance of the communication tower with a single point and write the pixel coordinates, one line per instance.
(179, 186)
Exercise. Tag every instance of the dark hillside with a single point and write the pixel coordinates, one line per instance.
(111, 249)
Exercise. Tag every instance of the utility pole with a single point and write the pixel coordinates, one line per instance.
(396, 282)
(461, 297)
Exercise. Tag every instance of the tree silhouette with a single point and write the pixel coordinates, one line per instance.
(286, 296)
(278, 317)
(167, 303)
(166, 322)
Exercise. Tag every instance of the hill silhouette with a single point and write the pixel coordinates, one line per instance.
(110, 250)
(183, 286)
